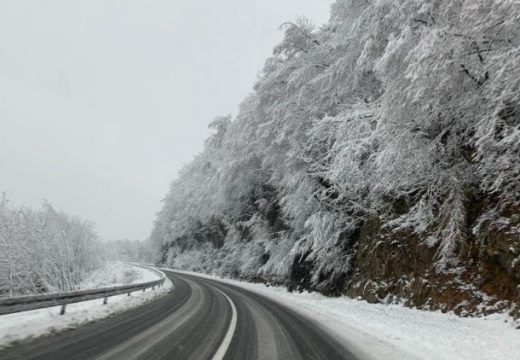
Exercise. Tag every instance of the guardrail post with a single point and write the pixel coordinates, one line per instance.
(62, 311)
(105, 300)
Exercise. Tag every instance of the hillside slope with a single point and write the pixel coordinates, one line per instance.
(378, 156)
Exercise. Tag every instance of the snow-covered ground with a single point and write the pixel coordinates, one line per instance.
(372, 331)
(115, 274)
(35, 323)
(393, 332)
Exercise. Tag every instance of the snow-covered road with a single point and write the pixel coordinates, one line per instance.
(193, 322)
(204, 316)
(394, 332)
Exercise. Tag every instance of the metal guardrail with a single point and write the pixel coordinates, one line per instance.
(24, 303)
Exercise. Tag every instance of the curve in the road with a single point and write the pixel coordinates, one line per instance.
(199, 319)
(224, 346)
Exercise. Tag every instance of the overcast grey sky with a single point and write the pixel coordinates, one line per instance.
(102, 102)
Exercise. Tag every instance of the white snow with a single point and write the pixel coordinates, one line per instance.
(394, 332)
(372, 331)
(36, 323)
(115, 274)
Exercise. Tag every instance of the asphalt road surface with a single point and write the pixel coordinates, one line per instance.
(199, 319)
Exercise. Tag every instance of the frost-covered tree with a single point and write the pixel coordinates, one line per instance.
(44, 250)
(383, 146)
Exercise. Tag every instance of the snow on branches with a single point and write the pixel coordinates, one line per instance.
(44, 250)
(405, 112)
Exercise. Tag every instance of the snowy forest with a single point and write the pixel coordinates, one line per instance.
(377, 156)
(45, 250)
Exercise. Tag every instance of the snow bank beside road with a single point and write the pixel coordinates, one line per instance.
(376, 331)
(116, 274)
(30, 324)
(402, 333)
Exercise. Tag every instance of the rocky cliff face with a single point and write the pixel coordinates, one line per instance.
(378, 157)
(396, 264)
